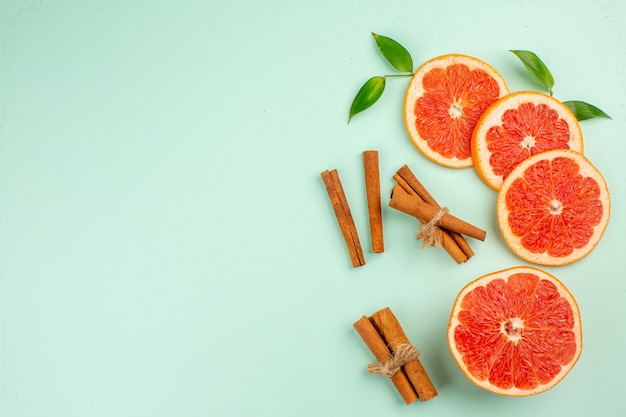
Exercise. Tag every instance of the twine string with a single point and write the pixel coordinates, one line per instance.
(404, 354)
(428, 231)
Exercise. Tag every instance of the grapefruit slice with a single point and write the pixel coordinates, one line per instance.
(518, 126)
(515, 332)
(553, 208)
(443, 102)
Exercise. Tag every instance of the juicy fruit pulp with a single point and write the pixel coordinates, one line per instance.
(454, 100)
(553, 209)
(444, 100)
(549, 233)
(525, 131)
(515, 332)
(517, 127)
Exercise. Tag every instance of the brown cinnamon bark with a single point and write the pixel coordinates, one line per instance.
(378, 347)
(424, 211)
(403, 201)
(405, 177)
(344, 216)
(389, 328)
(405, 173)
(374, 207)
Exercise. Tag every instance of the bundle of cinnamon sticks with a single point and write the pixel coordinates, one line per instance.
(411, 197)
(397, 358)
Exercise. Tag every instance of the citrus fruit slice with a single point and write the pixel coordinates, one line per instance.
(515, 332)
(553, 207)
(443, 102)
(518, 126)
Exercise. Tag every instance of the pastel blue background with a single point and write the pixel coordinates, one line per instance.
(166, 244)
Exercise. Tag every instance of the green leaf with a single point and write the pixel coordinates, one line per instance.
(394, 53)
(369, 93)
(536, 67)
(584, 111)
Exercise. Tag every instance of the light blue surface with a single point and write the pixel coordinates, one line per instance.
(166, 244)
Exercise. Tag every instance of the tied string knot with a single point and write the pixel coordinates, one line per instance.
(428, 231)
(404, 354)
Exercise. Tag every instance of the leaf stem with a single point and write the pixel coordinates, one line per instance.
(408, 74)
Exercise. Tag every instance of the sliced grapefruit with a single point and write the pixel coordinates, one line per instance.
(443, 102)
(515, 332)
(518, 126)
(553, 208)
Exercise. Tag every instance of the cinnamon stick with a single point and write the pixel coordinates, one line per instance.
(374, 208)
(389, 328)
(378, 347)
(462, 244)
(405, 176)
(422, 210)
(344, 217)
(403, 201)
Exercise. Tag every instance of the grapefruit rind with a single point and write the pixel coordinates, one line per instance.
(416, 90)
(514, 242)
(492, 117)
(505, 274)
